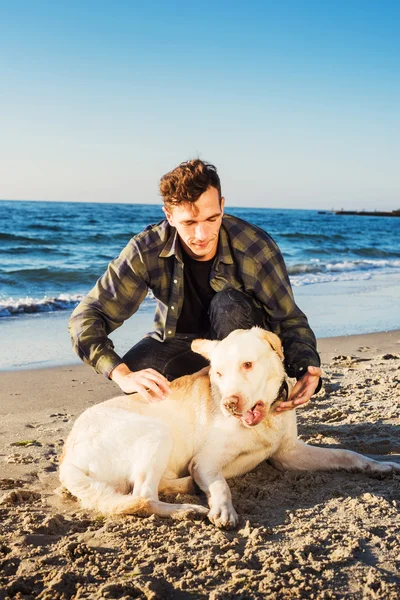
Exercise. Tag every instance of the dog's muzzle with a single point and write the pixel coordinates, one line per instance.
(231, 405)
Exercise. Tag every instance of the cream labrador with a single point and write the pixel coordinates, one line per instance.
(215, 424)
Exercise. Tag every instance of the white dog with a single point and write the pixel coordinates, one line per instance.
(213, 425)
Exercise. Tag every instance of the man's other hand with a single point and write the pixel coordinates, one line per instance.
(150, 384)
(302, 391)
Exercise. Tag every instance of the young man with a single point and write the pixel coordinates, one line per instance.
(210, 274)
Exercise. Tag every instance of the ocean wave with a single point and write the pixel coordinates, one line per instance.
(47, 226)
(11, 237)
(318, 266)
(297, 235)
(344, 250)
(51, 275)
(13, 307)
(310, 279)
(105, 237)
(22, 306)
(35, 250)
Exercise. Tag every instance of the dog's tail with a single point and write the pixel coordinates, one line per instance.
(102, 497)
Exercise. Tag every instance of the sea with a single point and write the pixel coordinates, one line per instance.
(344, 270)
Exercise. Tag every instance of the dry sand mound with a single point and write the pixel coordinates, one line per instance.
(301, 535)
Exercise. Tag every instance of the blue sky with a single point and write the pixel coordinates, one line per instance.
(296, 102)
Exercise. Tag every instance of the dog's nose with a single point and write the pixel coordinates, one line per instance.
(231, 403)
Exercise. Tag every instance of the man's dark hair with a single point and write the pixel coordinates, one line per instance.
(188, 182)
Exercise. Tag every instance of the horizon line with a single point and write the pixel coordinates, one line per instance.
(160, 204)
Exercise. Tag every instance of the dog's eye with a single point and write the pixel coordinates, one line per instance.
(247, 365)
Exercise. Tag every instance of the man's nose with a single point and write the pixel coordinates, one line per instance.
(200, 231)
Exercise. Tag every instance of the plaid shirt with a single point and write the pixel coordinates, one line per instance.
(247, 259)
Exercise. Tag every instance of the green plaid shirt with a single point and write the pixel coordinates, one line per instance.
(247, 259)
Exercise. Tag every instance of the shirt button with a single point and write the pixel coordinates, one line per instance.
(175, 281)
(169, 332)
(172, 307)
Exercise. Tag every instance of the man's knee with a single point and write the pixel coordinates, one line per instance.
(233, 309)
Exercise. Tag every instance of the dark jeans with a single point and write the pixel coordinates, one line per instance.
(229, 310)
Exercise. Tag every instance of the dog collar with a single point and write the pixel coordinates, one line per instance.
(283, 393)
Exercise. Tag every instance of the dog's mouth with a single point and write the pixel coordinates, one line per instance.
(253, 416)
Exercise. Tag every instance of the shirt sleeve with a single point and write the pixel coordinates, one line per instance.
(116, 296)
(283, 316)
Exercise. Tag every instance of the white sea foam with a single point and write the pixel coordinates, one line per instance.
(313, 272)
(316, 271)
(298, 280)
(17, 306)
(11, 307)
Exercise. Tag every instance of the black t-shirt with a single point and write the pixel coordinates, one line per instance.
(197, 296)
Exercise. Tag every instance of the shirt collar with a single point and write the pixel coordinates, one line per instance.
(224, 253)
(172, 246)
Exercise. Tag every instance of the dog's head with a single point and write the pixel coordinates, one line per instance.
(247, 371)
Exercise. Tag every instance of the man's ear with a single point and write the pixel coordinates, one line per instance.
(168, 215)
(204, 347)
(222, 204)
(272, 339)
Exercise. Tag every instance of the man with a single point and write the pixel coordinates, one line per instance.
(210, 274)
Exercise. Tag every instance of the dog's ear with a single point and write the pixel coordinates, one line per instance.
(204, 347)
(272, 339)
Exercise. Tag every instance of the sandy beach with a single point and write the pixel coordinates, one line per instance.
(301, 535)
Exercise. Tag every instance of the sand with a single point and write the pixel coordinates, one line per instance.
(301, 535)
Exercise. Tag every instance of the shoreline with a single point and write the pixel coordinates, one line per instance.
(336, 309)
(327, 347)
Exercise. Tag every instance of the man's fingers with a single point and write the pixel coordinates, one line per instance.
(302, 391)
(153, 387)
(301, 399)
(280, 409)
(292, 403)
(159, 379)
(140, 389)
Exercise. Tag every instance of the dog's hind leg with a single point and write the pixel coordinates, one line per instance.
(177, 485)
(302, 457)
(151, 462)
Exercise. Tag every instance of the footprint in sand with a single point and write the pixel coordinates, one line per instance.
(19, 496)
(19, 459)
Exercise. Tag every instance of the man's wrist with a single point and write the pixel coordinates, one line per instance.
(107, 362)
(301, 371)
(119, 372)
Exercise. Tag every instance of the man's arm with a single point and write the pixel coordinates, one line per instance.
(116, 296)
(284, 318)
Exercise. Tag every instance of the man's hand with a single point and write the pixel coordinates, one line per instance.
(302, 391)
(150, 384)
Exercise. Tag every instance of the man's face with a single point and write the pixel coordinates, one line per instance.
(198, 224)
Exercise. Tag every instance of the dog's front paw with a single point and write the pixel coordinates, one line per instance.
(223, 516)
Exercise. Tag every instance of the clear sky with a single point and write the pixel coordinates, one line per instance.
(296, 102)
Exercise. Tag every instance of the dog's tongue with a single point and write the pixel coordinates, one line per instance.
(253, 416)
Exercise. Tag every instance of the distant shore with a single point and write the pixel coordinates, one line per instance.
(368, 213)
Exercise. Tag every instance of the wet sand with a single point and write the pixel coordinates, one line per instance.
(301, 535)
